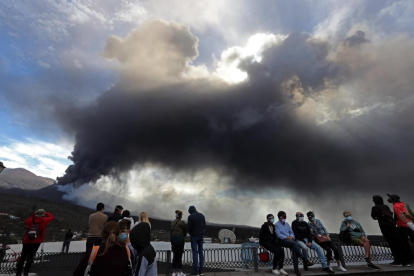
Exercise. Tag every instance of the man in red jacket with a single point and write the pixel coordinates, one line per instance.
(402, 227)
(36, 230)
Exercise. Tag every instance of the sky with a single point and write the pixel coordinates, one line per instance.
(242, 108)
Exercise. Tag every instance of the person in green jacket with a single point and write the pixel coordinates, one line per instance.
(358, 237)
(178, 233)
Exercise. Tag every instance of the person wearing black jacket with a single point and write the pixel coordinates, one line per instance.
(117, 214)
(303, 239)
(268, 240)
(66, 243)
(196, 227)
(382, 213)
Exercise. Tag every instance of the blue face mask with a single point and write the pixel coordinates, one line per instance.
(272, 220)
(349, 218)
(123, 236)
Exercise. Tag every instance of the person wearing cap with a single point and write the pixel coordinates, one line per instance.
(36, 230)
(382, 213)
(116, 216)
(317, 229)
(268, 240)
(303, 239)
(96, 224)
(402, 227)
(286, 238)
(358, 236)
(178, 233)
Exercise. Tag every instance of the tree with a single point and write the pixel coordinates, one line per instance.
(410, 211)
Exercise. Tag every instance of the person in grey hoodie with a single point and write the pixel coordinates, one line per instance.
(196, 228)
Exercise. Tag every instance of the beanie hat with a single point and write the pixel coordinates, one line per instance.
(40, 213)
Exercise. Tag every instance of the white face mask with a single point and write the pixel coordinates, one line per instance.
(301, 218)
(177, 215)
(283, 220)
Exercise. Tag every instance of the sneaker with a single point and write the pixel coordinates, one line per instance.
(406, 265)
(201, 274)
(297, 272)
(341, 268)
(368, 260)
(307, 262)
(329, 270)
(180, 274)
(283, 272)
(275, 271)
(372, 266)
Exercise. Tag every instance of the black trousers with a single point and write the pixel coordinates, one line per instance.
(404, 232)
(28, 253)
(329, 247)
(66, 245)
(91, 242)
(178, 256)
(394, 239)
(278, 254)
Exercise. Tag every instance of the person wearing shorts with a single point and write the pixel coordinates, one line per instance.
(358, 237)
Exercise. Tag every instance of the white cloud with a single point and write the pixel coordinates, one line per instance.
(41, 158)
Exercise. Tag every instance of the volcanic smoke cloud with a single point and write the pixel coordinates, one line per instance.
(311, 116)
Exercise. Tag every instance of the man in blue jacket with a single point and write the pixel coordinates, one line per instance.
(196, 228)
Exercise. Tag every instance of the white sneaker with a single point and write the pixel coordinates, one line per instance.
(180, 274)
(276, 272)
(341, 268)
(174, 274)
(283, 272)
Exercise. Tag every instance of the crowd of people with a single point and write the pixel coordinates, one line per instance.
(118, 245)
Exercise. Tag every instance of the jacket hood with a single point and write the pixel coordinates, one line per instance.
(378, 200)
(192, 210)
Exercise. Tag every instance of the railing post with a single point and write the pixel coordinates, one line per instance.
(256, 265)
(341, 254)
(168, 262)
(42, 251)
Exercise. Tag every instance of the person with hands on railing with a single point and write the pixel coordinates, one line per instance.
(35, 235)
(318, 230)
(286, 238)
(304, 241)
(268, 240)
(358, 237)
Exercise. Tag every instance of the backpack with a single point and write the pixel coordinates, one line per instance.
(94, 253)
(33, 232)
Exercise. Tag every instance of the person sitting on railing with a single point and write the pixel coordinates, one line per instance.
(303, 238)
(36, 231)
(111, 258)
(317, 229)
(268, 240)
(287, 239)
(387, 224)
(358, 236)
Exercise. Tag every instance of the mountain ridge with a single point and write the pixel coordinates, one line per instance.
(23, 179)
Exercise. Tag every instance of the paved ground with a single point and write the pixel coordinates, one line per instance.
(352, 270)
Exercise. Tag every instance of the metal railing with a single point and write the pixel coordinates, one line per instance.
(216, 259)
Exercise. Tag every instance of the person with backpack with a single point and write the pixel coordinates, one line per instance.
(387, 225)
(177, 234)
(36, 230)
(111, 258)
(96, 223)
(268, 240)
(318, 230)
(357, 237)
(66, 243)
(196, 228)
(402, 227)
(304, 240)
(116, 216)
(140, 236)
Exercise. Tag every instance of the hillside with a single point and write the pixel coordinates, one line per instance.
(23, 179)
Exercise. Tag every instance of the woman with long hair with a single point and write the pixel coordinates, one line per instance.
(112, 257)
(177, 234)
(140, 237)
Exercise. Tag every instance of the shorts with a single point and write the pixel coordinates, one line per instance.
(356, 241)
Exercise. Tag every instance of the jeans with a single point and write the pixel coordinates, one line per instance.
(28, 252)
(197, 242)
(66, 244)
(93, 241)
(177, 256)
(278, 254)
(296, 253)
(315, 247)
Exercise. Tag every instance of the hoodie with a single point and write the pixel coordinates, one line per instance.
(382, 212)
(196, 222)
(398, 208)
